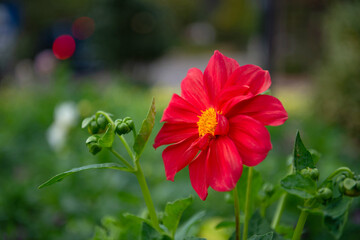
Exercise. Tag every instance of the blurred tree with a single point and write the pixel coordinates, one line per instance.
(130, 30)
(236, 21)
(338, 77)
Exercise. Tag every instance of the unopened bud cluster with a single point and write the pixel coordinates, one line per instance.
(124, 126)
(98, 126)
(349, 186)
(312, 173)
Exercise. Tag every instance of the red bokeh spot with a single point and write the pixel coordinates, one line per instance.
(64, 47)
(83, 27)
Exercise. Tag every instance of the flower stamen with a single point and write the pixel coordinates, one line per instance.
(207, 122)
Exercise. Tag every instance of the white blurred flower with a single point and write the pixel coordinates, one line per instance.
(66, 116)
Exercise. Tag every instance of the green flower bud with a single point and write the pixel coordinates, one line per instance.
(341, 187)
(350, 187)
(131, 124)
(127, 119)
(122, 128)
(93, 127)
(340, 178)
(92, 144)
(268, 189)
(349, 183)
(102, 122)
(325, 193)
(314, 174)
(305, 172)
(358, 185)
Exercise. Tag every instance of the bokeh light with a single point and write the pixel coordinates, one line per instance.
(64, 47)
(83, 28)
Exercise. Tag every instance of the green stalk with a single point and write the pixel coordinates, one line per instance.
(143, 185)
(300, 225)
(127, 147)
(340, 169)
(278, 212)
(247, 204)
(122, 159)
(302, 219)
(237, 213)
(147, 197)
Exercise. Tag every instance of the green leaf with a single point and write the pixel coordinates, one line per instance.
(173, 212)
(108, 138)
(336, 225)
(123, 227)
(259, 226)
(143, 136)
(149, 233)
(337, 207)
(225, 224)
(86, 121)
(266, 236)
(285, 230)
(302, 157)
(59, 177)
(183, 230)
(299, 185)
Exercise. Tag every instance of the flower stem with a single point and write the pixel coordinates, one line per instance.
(337, 171)
(127, 147)
(147, 197)
(300, 225)
(302, 219)
(247, 204)
(279, 210)
(122, 159)
(237, 214)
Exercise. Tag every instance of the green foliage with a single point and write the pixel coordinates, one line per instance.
(184, 229)
(266, 236)
(173, 212)
(145, 130)
(59, 177)
(149, 233)
(302, 157)
(299, 185)
(259, 228)
(108, 138)
(123, 227)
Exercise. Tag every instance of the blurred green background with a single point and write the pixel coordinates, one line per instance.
(129, 51)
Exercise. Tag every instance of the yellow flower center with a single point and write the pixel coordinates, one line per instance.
(207, 122)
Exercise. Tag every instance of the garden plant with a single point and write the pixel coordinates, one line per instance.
(216, 129)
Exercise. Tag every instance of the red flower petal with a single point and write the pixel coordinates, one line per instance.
(198, 175)
(179, 110)
(224, 166)
(264, 108)
(231, 96)
(253, 76)
(193, 90)
(251, 138)
(178, 156)
(173, 133)
(217, 73)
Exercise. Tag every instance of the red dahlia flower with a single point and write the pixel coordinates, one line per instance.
(217, 124)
